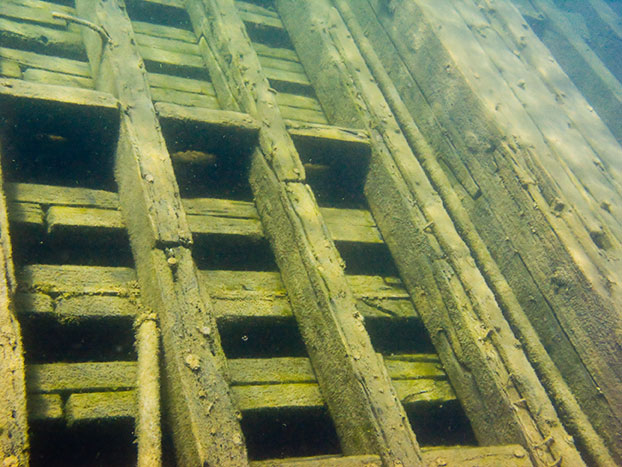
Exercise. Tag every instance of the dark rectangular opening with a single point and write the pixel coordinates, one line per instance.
(278, 434)
(56, 143)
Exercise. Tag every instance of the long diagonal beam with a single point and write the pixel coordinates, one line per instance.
(204, 422)
(368, 416)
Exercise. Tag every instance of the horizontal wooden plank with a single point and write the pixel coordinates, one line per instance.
(177, 83)
(121, 375)
(302, 102)
(80, 377)
(46, 62)
(62, 196)
(10, 69)
(170, 45)
(307, 395)
(219, 119)
(171, 3)
(39, 35)
(42, 6)
(302, 115)
(317, 133)
(260, 20)
(206, 215)
(45, 407)
(30, 13)
(280, 64)
(76, 307)
(166, 32)
(79, 280)
(26, 213)
(172, 58)
(236, 295)
(321, 461)
(96, 406)
(276, 74)
(14, 88)
(264, 50)
(61, 217)
(55, 78)
(211, 225)
(184, 98)
(257, 9)
(511, 455)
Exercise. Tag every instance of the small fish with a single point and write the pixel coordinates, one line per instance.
(313, 169)
(195, 157)
(48, 138)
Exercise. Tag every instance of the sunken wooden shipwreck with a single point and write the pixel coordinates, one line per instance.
(310, 233)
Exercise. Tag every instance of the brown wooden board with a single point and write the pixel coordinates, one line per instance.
(394, 182)
(160, 237)
(341, 353)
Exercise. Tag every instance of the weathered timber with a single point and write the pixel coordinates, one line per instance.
(62, 79)
(302, 115)
(319, 461)
(79, 292)
(41, 38)
(599, 26)
(532, 241)
(578, 59)
(35, 60)
(194, 363)
(166, 32)
(182, 60)
(96, 406)
(158, 80)
(148, 414)
(571, 413)
(572, 143)
(264, 50)
(14, 443)
(352, 379)
(48, 378)
(508, 23)
(45, 407)
(10, 69)
(188, 99)
(34, 93)
(170, 45)
(96, 210)
(14, 9)
(511, 456)
(420, 240)
(81, 377)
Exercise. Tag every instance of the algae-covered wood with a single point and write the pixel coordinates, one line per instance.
(350, 376)
(160, 237)
(404, 183)
(14, 442)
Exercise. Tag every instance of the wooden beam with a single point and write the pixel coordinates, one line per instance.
(351, 378)
(14, 443)
(97, 211)
(426, 247)
(205, 429)
(530, 232)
